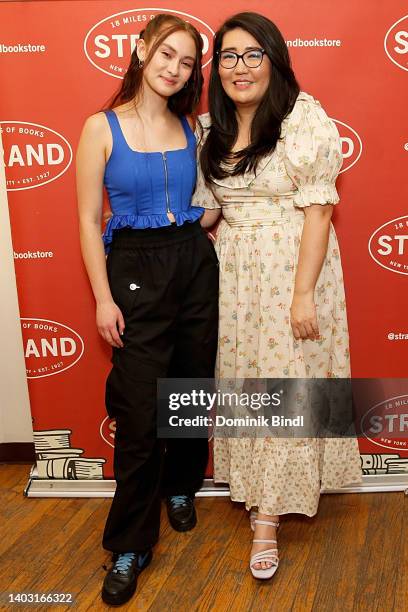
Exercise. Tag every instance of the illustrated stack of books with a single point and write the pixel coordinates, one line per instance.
(56, 458)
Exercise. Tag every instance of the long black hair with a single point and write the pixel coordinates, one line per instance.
(275, 105)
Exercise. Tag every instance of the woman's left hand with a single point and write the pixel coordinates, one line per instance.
(303, 317)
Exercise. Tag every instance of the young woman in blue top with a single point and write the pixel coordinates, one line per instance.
(157, 292)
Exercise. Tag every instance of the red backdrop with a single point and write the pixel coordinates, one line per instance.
(60, 61)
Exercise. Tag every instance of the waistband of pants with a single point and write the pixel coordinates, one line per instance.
(128, 238)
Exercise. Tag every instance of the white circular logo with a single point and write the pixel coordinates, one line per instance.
(107, 431)
(49, 347)
(386, 423)
(351, 145)
(388, 245)
(34, 154)
(109, 43)
(396, 43)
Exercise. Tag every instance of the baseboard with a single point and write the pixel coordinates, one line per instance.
(53, 487)
(16, 452)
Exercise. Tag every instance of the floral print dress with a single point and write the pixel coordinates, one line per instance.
(257, 245)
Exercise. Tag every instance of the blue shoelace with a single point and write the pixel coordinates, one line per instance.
(178, 500)
(125, 559)
(123, 562)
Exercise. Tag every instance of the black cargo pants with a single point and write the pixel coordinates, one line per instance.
(165, 281)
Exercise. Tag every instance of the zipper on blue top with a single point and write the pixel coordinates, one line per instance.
(166, 182)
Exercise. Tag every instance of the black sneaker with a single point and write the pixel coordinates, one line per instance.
(120, 582)
(181, 512)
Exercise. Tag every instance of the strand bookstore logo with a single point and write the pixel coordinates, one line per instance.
(107, 431)
(49, 347)
(396, 43)
(351, 145)
(386, 423)
(109, 43)
(388, 245)
(22, 48)
(33, 154)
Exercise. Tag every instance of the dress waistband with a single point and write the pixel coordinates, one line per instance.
(254, 224)
(269, 218)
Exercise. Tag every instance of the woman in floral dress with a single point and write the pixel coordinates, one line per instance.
(269, 158)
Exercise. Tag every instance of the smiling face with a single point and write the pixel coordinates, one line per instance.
(171, 65)
(245, 86)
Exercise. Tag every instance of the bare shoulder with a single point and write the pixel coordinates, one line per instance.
(127, 109)
(96, 124)
(96, 134)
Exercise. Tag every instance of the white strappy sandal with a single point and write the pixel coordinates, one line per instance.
(253, 515)
(270, 555)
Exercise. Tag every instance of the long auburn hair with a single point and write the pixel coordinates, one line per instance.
(275, 105)
(185, 101)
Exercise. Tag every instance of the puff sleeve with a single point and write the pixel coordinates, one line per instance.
(313, 156)
(203, 195)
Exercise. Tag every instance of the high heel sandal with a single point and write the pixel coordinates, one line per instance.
(253, 515)
(269, 555)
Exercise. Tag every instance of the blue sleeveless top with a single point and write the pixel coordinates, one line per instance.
(143, 187)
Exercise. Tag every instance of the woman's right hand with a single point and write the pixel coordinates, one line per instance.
(110, 323)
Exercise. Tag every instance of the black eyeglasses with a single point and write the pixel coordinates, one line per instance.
(252, 58)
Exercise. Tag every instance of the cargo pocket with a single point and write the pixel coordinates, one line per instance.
(125, 286)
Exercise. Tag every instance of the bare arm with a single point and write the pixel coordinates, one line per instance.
(90, 163)
(210, 217)
(312, 252)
